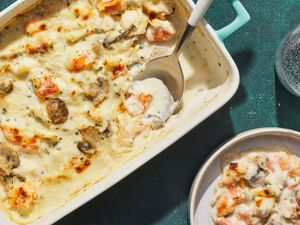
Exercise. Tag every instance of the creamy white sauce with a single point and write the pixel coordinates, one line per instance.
(162, 104)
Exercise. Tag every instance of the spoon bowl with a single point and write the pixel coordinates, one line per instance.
(169, 71)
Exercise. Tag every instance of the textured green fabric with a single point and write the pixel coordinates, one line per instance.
(157, 193)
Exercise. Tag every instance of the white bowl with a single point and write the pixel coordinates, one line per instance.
(203, 186)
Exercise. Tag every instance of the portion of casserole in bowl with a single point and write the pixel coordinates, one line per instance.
(70, 112)
(259, 186)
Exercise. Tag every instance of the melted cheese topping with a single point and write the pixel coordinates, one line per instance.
(260, 187)
(70, 112)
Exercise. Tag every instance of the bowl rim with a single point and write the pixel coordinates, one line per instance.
(192, 203)
(278, 61)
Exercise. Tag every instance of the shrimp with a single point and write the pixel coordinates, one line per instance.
(223, 221)
(80, 63)
(112, 6)
(116, 69)
(137, 104)
(232, 177)
(137, 19)
(245, 218)
(145, 100)
(41, 48)
(82, 10)
(264, 206)
(281, 162)
(227, 203)
(44, 87)
(14, 136)
(160, 31)
(159, 8)
(22, 197)
(294, 170)
(35, 26)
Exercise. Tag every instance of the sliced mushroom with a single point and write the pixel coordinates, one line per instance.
(93, 90)
(14, 175)
(57, 110)
(9, 159)
(126, 34)
(6, 87)
(11, 179)
(90, 135)
(107, 133)
(103, 84)
(86, 148)
(97, 91)
(14, 159)
(258, 178)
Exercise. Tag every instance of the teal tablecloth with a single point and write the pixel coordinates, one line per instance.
(157, 194)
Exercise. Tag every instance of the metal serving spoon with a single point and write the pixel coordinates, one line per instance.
(168, 68)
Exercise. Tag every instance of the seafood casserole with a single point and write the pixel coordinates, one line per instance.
(70, 111)
(259, 187)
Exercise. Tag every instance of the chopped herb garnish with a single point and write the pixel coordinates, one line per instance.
(97, 30)
(98, 124)
(99, 68)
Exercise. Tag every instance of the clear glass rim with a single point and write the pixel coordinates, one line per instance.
(281, 74)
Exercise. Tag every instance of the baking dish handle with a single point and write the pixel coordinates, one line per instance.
(241, 19)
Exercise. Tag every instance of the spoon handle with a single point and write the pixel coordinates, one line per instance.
(195, 18)
(199, 11)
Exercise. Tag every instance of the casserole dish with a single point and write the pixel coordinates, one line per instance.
(202, 190)
(219, 74)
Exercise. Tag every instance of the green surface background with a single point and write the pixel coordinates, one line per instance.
(157, 194)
